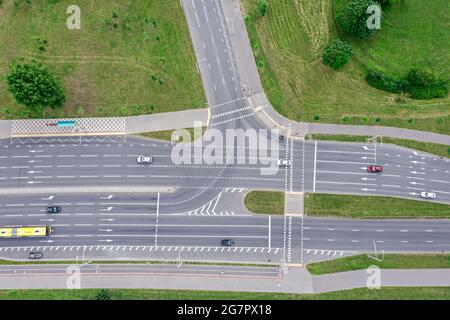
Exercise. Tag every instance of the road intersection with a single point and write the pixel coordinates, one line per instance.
(206, 204)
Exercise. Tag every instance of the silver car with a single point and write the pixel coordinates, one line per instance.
(144, 159)
(428, 195)
(284, 163)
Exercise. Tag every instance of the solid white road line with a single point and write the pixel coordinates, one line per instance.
(315, 166)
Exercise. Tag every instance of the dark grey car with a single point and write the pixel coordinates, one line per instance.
(35, 255)
(227, 242)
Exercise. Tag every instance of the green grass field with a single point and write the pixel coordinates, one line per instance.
(348, 206)
(389, 261)
(288, 44)
(413, 34)
(265, 202)
(433, 148)
(388, 293)
(145, 65)
(166, 135)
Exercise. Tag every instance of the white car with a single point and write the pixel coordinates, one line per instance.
(144, 159)
(284, 163)
(428, 195)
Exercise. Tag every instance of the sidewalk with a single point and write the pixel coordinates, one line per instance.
(296, 280)
(248, 73)
(167, 121)
(128, 125)
(389, 278)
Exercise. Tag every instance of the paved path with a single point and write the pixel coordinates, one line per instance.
(120, 276)
(136, 124)
(5, 129)
(389, 278)
(166, 121)
(198, 277)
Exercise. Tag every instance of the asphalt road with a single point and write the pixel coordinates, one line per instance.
(206, 205)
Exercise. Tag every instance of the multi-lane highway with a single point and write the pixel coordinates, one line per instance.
(317, 166)
(205, 204)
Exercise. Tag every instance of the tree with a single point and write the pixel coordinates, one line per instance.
(337, 54)
(103, 294)
(353, 18)
(387, 3)
(34, 86)
(262, 7)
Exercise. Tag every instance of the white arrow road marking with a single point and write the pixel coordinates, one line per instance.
(49, 220)
(415, 172)
(49, 198)
(110, 219)
(49, 241)
(34, 182)
(417, 183)
(414, 161)
(366, 189)
(105, 230)
(106, 240)
(412, 193)
(108, 197)
(368, 179)
(107, 209)
(34, 171)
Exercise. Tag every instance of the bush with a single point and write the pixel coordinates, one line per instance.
(387, 3)
(316, 117)
(337, 54)
(382, 82)
(420, 78)
(34, 86)
(262, 7)
(103, 294)
(353, 18)
(436, 90)
(423, 85)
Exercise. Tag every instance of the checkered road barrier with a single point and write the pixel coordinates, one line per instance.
(82, 127)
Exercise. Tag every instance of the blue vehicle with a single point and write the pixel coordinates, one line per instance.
(66, 123)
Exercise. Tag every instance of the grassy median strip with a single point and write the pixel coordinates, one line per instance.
(350, 206)
(265, 202)
(388, 293)
(167, 134)
(389, 261)
(196, 263)
(441, 150)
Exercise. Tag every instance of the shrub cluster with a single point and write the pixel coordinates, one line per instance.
(385, 83)
(419, 84)
(387, 3)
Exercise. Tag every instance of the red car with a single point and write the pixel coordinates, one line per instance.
(374, 168)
